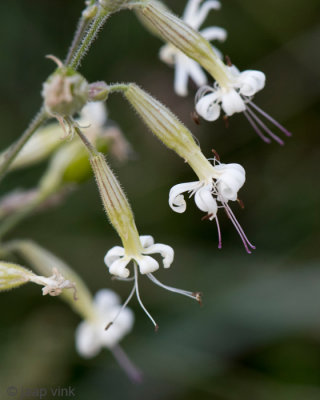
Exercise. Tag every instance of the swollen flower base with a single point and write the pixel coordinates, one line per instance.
(185, 67)
(234, 97)
(222, 183)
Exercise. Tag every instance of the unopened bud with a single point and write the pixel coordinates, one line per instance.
(98, 91)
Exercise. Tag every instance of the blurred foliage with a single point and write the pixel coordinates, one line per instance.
(257, 335)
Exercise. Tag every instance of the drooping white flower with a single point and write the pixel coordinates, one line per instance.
(91, 336)
(220, 186)
(235, 96)
(116, 259)
(194, 15)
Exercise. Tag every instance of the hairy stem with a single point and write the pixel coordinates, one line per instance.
(15, 148)
(90, 36)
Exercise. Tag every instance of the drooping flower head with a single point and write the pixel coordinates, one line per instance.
(216, 185)
(232, 90)
(234, 95)
(194, 15)
(135, 248)
(219, 185)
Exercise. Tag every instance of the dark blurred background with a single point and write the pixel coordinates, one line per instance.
(257, 335)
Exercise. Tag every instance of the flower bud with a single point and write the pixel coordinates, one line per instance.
(65, 92)
(98, 91)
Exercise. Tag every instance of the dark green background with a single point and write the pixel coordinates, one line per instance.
(257, 336)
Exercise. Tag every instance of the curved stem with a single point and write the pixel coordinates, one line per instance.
(8, 157)
(91, 34)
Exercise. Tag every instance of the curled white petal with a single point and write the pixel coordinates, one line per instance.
(251, 81)
(181, 76)
(87, 342)
(231, 102)
(147, 264)
(166, 252)
(214, 33)
(146, 240)
(231, 179)
(207, 106)
(176, 198)
(118, 267)
(113, 254)
(205, 201)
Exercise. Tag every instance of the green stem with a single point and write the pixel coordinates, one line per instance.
(15, 148)
(82, 27)
(91, 34)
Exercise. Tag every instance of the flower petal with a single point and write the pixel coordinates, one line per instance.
(94, 114)
(232, 102)
(146, 240)
(199, 17)
(147, 264)
(214, 33)
(113, 254)
(166, 252)
(181, 75)
(104, 299)
(118, 267)
(208, 106)
(87, 340)
(251, 81)
(231, 179)
(176, 199)
(205, 201)
(167, 54)
(196, 73)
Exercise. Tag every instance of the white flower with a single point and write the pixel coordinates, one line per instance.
(194, 15)
(91, 335)
(234, 97)
(220, 186)
(116, 259)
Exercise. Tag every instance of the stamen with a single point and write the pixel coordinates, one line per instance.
(122, 308)
(275, 122)
(126, 364)
(208, 216)
(156, 326)
(226, 121)
(241, 203)
(239, 229)
(195, 117)
(193, 295)
(219, 234)
(264, 126)
(228, 60)
(117, 278)
(256, 128)
(216, 154)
